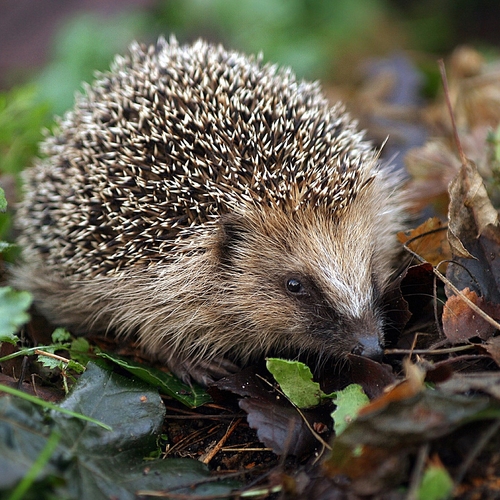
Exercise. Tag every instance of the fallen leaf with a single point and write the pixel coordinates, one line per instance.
(90, 462)
(428, 241)
(373, 451)
(278, 424)
(461, 323)
(474, 235)
(470, 210)
(373, 377)
(463, 383)
(296, 382)
(348, 403)
(412, 385)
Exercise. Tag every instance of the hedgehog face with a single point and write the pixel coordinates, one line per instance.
(330, 329)
(302, 291)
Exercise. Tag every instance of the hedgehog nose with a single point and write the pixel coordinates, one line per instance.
(369, 346)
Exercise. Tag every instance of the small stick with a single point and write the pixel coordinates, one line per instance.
(211, 453)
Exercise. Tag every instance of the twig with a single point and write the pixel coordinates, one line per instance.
(211, 453)
(469, 302)
(432, 352)
(52, 355)
(456, 291)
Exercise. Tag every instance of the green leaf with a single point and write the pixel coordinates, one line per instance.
(90, 462)
(42, 459)
(436, 484)
(49, 362)
(75, 366)
(348, 402)
(403, 425)
(79, 350)
(60, 335)
(23, 436)
(296, 381)
(13, 311)
(11, 338)
(49, 406)
(167, 383)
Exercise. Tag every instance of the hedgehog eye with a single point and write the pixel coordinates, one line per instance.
(294, 286)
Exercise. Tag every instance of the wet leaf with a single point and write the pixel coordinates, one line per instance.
(91, 462)
(373, 451)
(167, 383)
(280, 427)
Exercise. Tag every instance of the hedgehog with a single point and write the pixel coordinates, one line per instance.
(215, 208)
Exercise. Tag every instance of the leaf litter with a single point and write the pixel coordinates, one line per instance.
(431, 427)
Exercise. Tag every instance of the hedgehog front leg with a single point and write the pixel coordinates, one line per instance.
(202, 371)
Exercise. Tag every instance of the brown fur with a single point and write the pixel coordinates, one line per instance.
(217, 292)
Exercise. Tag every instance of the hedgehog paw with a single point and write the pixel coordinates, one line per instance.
(204, 372)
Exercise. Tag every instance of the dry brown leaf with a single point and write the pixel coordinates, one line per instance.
(474, 235)
(470, 207)
(461, 323)
(428, 241)
(412, 385)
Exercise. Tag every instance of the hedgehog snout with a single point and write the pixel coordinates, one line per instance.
(369, 346)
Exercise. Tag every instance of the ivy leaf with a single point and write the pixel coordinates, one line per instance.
(90, 462)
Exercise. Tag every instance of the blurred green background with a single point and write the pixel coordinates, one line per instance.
(48, 47)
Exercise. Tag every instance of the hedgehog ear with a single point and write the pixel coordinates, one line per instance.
(231, 233)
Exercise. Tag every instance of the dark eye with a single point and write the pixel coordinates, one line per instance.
(294, 286)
